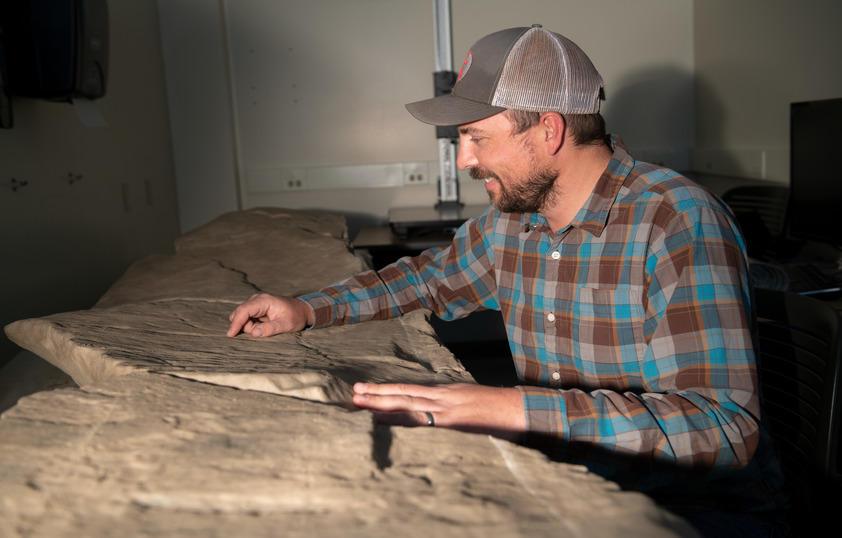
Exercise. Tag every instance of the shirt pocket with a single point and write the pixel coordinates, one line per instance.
(608, 334)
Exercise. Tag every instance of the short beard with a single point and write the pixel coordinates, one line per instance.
(535, 193)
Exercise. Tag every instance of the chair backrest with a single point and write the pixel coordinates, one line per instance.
(761, 213)
(799, 372)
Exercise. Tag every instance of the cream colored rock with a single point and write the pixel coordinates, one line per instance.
(278, 251)
(162, 277)
(176, 430)
(169, 313)
(152, 455)
(187, 338)
(283, 252)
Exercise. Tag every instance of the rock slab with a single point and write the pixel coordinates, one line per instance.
(153, 455)
(176, 430)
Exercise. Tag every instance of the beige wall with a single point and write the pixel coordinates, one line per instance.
(63, 244)
(317, 90)
(320, 85)
(753, 58)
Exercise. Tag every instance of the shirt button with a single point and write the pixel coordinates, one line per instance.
(551, 316)
(556, 255)
(556, 376)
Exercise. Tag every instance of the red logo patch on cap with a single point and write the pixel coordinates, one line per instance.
(466, 65)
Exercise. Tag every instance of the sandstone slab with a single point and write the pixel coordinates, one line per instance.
(187, 338)
(176, 430)
(272, 250)
(152, 455)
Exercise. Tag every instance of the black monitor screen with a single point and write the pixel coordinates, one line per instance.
(815, 204)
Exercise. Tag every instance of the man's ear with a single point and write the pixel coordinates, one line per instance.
(554, 130)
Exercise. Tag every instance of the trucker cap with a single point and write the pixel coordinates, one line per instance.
(529, 69)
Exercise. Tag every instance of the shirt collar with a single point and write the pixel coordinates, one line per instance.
(594, 213)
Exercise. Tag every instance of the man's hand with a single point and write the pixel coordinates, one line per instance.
(265, 315)
(465, 407)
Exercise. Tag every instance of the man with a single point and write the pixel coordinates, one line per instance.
(623, 287)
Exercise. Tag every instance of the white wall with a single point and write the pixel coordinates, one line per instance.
(200, 112)
(318, 91)
(321, 105)
(63, 243)
(754, 58)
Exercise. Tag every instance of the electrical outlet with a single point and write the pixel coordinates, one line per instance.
(294, 180)
(416, 174)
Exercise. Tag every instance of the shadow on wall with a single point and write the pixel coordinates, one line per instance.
(652, 110)
(711, 123)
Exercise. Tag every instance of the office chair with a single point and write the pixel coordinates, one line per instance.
(761, 214)
(799, 372)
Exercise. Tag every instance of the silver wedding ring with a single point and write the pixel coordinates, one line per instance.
(430, 420)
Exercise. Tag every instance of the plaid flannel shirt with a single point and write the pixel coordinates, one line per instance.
(630, 331)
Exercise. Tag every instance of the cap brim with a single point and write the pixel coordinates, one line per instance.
(451, 110)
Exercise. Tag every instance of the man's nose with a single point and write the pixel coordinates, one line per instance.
(465, 158)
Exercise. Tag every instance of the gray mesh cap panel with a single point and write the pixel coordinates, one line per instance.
(519, 68)
(546, 71)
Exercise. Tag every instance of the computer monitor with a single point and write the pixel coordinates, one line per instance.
(815, 203)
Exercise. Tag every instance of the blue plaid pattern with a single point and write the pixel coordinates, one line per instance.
(630, 329)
